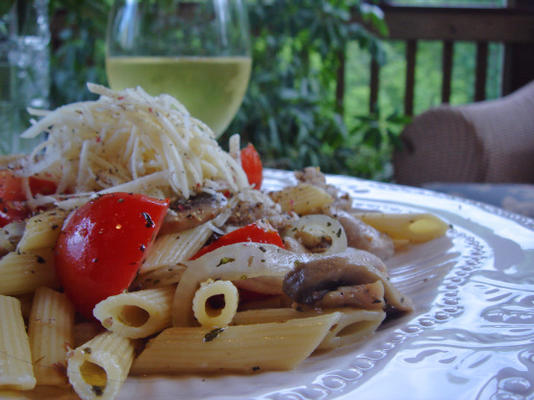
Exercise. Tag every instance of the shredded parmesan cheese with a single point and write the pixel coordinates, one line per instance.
(129, 139)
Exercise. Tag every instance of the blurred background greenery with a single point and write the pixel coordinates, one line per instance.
(290, 111)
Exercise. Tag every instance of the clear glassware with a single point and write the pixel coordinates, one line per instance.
(24, 70)
(196, 51)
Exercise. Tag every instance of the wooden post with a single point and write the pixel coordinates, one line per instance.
(446, 66)
(481, 71)
(518, 57)
(411, 53)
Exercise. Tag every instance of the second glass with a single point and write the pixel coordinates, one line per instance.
(198, 52)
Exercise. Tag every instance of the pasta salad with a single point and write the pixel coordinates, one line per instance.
(132, 243)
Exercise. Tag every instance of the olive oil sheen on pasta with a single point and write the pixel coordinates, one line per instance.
(211, 88)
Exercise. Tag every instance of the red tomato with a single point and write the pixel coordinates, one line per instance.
(12, 211)
(251, 163)
(13, 198)
(256, 232)
(11, 187)
(42, 186)
(102, 244)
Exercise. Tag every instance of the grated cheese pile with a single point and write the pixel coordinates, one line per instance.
(130, 140)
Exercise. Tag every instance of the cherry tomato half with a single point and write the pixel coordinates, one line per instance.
(102, 244)
(13, 198)
(256, 232)
(251, 163)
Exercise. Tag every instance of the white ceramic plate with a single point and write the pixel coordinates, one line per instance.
(471, 335)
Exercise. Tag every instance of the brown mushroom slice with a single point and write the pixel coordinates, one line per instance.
(262, 284)
(311, 280)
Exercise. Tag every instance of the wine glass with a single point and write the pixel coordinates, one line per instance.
(197, 51)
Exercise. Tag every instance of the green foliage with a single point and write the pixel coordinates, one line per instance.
(78, 46)
(374, 138)
(290, 112)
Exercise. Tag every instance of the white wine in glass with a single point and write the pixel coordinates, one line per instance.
(198, 52)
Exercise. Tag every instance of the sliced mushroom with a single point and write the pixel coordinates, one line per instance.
(311, 280)
(262, 284)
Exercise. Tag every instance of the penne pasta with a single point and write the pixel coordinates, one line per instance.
(10, 236)
(51, 335)
(414, 227)
(15, 357)
(42, 230)
(97, 369)
(351, 325)
(161, 277)
(208, 315)
(136, 314)
(302, 199)
(236, 348)
(173, 248)
(22, 273)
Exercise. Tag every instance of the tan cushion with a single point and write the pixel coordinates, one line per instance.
(491, 141)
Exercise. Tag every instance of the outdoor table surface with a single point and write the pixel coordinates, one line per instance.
(518, 198)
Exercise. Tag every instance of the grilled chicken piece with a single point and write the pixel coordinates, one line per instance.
(314, 176)
(364, 237)
(254, 205)
(310, 281)
(188, 213)
(369, 296)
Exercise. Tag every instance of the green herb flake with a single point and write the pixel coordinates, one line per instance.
(225, 260)
(211, 335)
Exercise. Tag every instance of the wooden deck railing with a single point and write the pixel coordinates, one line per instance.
(449, 25)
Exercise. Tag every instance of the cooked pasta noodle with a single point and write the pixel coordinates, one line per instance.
(350, 326)
(42, 230)
(97, 369)
(302, 199)
(22, 273)
(414, 228)
(51, 335)
(238, 348)
(15, 356)
(173, 248)
(208, 315)
(136, 314)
